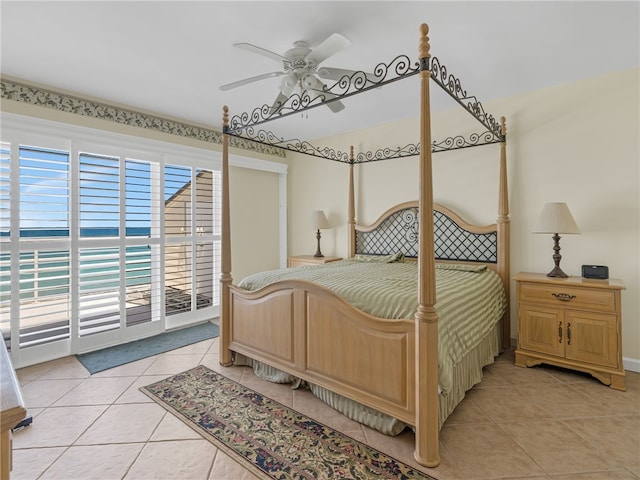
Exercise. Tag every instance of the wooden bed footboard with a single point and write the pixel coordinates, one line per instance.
(311, 333)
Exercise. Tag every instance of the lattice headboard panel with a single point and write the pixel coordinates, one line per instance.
(399, 233)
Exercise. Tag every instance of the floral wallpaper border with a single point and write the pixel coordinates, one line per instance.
(20, 92)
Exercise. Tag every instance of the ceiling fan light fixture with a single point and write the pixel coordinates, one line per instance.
(300, 67)
(289, 84)
(309, 82)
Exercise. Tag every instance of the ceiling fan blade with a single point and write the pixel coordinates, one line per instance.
(278, 103)
(246, 81)
(249, 47)
(339, 73)
(332, 45)
(336, 106)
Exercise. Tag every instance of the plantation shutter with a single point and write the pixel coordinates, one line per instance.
(99, 196)
(178, 251)
(206, 194)
(142, 215)
(45, 300)
(217, 232)
(99, 283)
(44, 193)
(99, 218)
(44, 258)
(141, 198)
(5, 191)
(5, 233)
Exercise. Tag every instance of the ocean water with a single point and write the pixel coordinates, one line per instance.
(47, 273)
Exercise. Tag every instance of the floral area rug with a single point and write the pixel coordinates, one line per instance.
(266, 437)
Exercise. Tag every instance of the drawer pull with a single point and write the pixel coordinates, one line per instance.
(565, 297)
(569, 334)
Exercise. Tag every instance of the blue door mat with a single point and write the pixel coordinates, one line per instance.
(117, 355)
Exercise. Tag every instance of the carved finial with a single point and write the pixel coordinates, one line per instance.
(503, 125)
(225, 116)
(424, 41)
(351, 154)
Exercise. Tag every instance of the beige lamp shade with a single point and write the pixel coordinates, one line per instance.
(556, 218)
(319, 220)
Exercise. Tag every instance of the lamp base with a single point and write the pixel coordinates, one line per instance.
(318, 253)
(557, 273)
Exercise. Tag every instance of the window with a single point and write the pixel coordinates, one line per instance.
(43, 193)
(5, 222)
(189, 220)
(44, 280)
(110, 241)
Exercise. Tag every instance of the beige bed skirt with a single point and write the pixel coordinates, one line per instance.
(466, 374)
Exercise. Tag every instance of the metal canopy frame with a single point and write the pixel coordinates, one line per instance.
(249, 125)
(422, 402)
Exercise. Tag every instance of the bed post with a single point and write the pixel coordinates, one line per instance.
(427, 450)
(225, 270)
(351, 214)
(503, 234)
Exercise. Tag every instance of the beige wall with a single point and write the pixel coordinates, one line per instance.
(577, 143)
(254, 205)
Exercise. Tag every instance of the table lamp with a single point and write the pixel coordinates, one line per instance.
(556, 218)
(319, 222)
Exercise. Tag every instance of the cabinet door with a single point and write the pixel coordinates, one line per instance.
(541, 330)
(592, 338)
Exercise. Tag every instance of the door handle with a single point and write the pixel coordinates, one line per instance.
(560, 332)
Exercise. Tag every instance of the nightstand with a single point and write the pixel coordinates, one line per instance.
(572, 323)
(299, 260)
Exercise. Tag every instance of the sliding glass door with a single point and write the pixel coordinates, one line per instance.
(102, 244)
(118, 223)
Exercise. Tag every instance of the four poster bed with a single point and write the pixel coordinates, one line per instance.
(362, 348)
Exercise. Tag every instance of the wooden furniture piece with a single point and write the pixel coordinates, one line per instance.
(299, 260)
(571, 322)
(12, 410)
(470, 308)
(249, 320)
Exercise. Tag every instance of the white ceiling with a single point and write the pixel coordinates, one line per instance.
(171, 57)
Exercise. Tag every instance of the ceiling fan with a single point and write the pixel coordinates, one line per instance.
(301, 70)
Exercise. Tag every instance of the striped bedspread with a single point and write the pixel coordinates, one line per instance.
(469, 299)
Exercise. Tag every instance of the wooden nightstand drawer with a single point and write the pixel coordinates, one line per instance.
(575, 297)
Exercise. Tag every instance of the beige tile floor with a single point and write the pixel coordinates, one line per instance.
(537, 423)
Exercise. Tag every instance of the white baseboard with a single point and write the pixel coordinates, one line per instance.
(631, 364)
